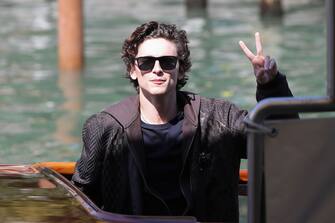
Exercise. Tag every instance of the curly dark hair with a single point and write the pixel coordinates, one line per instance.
(151, 30)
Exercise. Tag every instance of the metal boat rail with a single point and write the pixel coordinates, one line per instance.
(257, 137)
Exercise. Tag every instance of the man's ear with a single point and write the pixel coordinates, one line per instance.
(132, 73)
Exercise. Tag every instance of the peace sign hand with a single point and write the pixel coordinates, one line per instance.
(265, 68)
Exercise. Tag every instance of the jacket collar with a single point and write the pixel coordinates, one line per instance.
(191, 106)
(127, 114)
(127, 111)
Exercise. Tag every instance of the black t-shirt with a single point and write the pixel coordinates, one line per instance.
(163, 152)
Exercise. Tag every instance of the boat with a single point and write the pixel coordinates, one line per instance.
(43, 192)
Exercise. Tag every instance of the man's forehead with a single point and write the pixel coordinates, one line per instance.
(157, 47)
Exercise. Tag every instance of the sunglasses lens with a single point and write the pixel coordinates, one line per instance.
(148, 63)
(168, 62)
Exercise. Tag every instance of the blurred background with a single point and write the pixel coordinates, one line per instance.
(42, 110)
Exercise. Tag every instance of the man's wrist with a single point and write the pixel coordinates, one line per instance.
(277, 79)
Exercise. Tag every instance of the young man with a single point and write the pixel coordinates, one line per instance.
(165, 151)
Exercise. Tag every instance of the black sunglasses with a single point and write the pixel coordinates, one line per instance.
(148, 63)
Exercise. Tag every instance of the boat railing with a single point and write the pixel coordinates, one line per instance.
(277, 149)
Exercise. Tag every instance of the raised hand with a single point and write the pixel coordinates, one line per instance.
(265, 68)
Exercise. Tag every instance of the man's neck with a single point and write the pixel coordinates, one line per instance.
(158, 109)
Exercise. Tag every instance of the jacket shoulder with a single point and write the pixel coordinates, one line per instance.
(224, 111)
(215, 103)
(101, 121)
(125, 111)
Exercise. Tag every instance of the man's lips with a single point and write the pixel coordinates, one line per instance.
(158, 81)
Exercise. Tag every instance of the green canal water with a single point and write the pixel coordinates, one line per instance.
(42, 111)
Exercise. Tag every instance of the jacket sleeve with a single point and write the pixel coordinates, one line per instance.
(237, 127)
(88, 168)
(278, 87)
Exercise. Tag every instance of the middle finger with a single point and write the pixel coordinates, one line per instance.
(258, 44)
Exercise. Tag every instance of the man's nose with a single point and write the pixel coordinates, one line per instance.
(157, 68)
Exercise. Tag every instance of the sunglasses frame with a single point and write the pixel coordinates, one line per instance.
(160, 60)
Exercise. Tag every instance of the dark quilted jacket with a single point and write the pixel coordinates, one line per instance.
(111, 169)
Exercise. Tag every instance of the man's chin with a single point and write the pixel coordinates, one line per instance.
(159, 92)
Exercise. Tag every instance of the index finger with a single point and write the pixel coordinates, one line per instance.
(246, 51)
